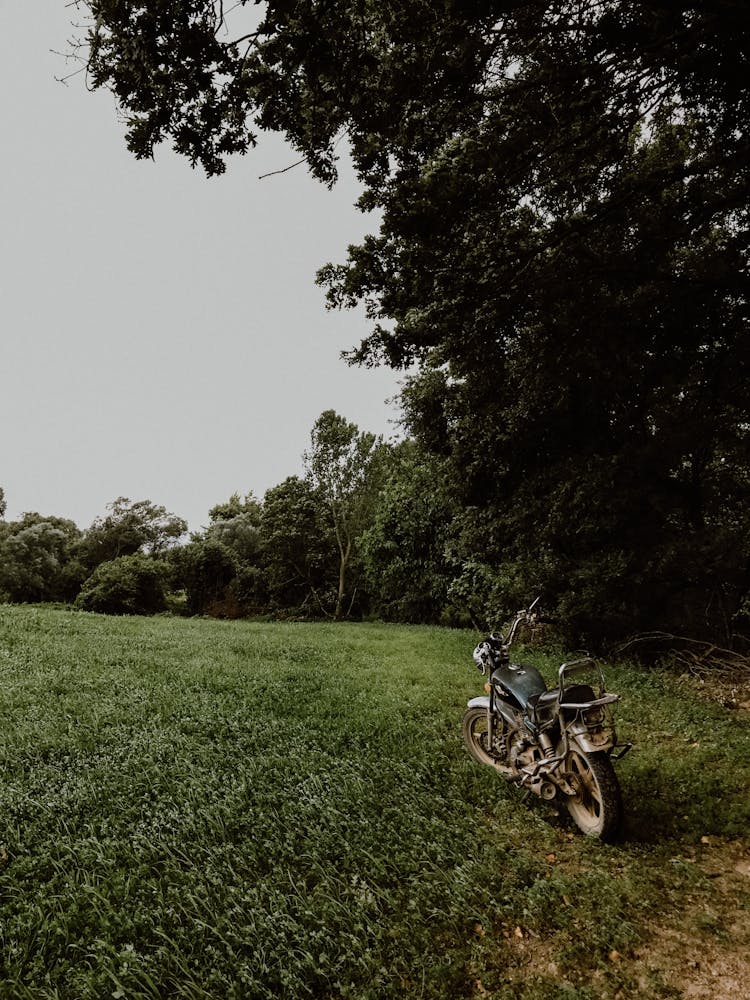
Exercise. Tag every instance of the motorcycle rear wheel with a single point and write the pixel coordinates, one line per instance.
(475, 734)
(597, 808)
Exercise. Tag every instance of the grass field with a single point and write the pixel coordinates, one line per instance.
(204, 809)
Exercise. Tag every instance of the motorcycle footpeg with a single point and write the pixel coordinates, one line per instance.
(565, 785)
(623, 748)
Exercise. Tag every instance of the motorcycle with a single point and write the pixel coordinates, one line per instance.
(558, 743)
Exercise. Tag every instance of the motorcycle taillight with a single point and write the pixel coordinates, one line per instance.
(594, 716)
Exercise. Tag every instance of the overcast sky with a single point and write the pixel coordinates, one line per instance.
(162, 334)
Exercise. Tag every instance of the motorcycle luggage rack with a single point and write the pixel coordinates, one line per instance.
(607, 699)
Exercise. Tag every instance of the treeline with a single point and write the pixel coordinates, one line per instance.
(361, 533)
(402, 533)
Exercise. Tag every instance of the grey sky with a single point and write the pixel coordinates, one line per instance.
(162, 335)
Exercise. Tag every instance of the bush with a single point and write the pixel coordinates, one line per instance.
(204, 569)
(129, 585)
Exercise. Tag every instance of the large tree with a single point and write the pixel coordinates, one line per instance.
(131, 526)
(205, 568)
(299, 549)
(339, 464)
(563, 200)
(38, 559)
(127, 585)
(236, 525)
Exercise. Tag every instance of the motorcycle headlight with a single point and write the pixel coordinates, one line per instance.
(482, 656)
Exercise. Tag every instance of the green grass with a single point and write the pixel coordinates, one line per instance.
(203, 809)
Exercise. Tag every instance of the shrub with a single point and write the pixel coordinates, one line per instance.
(205, 570)
(129, 585)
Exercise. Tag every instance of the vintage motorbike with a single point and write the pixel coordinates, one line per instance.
(557, 743)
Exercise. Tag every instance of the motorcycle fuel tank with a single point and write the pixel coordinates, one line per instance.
(520, 682)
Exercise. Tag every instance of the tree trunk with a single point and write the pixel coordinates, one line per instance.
(343, 563)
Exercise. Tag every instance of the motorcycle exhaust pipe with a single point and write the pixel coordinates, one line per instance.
(544, 789)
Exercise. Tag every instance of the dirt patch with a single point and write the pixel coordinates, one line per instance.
(700, 953)
(706, 956)
(728, 690)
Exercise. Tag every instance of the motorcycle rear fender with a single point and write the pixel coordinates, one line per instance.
(592, 742)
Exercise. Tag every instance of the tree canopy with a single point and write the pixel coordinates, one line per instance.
(561, 246)
(37, 559)
(132, 526)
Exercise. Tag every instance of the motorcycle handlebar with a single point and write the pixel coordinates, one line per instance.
(494, 643)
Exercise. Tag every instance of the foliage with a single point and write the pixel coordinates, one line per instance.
(339, 465)
(240, 535)
(562, 249)
(286, 810)
(236, 525)
(45, 558)
(37, 559)
(298, 548)
(205, 568)
(404, 551)
(128, 585)
(236, 506)
(3, 503)
(130, 527)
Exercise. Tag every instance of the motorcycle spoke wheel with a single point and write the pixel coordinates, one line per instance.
(596, 809)
(476, 736)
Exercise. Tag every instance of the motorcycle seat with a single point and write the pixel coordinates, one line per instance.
(544, 700)
(577, 694)
(542, 707)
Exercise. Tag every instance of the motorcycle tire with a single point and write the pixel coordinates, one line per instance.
(597, 808)
(474, 731)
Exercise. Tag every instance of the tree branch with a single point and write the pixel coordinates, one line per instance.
(272, 173)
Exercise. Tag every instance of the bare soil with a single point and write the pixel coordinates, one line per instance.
(728, 690)
(706, 956)
(702, 953)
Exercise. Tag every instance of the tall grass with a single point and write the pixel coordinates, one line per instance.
(202, 809)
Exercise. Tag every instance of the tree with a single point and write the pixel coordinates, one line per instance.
(205, 568)
(37, 559)
(236, 525)
(405, 550)
(128, 585)
(298, 548)
(562, 249)
(3, 503)
(338, 464)
(237, 506)
(131, 527)
(377, 70)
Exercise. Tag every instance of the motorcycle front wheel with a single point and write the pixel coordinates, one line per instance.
(476, 736)
(596, 809)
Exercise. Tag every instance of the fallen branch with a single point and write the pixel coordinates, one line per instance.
(698, 657)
